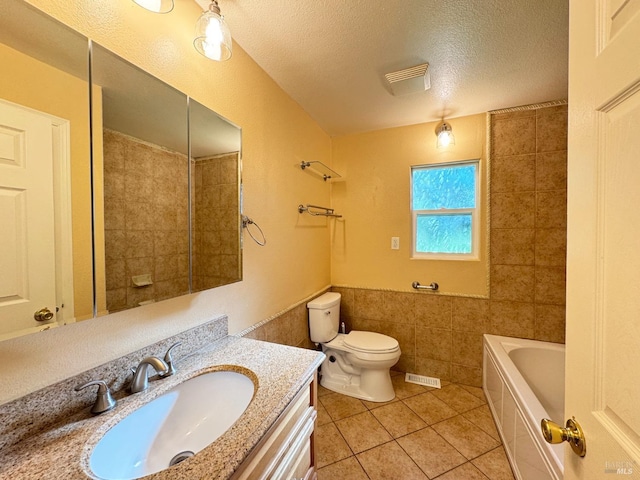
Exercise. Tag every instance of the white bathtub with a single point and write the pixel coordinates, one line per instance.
(524, 383)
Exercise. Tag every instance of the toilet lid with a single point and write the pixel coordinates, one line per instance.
(370, 341)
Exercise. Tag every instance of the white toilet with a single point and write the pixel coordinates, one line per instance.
(357, 363)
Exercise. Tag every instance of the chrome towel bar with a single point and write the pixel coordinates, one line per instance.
(417, 286)
(328, 212)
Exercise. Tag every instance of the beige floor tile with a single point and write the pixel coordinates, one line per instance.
(349, 468)
(429, 408)
(458, 398)
(477, 391)
(398, 419)
(389, 462)
(362, 432)
(482, 417)
(433, 454)
(330, 446)
(468, 439)
(404, 389)
(341, 406)
(463, 472)
(494, 465)
(323, 416)
(374, 405)
(323, 391)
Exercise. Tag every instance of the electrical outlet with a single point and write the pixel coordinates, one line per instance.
(395, 243)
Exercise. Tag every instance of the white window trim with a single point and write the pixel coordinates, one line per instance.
(474, 255)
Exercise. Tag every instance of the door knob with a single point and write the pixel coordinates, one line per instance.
(43, 315)
(554, 433)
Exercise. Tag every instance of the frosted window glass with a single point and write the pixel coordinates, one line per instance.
(444, 187)
(443, 234)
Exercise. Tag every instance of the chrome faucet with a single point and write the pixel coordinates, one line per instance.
(140, 380)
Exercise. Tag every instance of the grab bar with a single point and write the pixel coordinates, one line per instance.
(417, 286)
(328, 212)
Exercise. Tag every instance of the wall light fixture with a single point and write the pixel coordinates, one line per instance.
(445, 136)
(213, 38)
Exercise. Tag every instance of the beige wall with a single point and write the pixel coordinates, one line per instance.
(296, 263)
(441, 335)
(375, 201)
(36, 85)
(276, 135)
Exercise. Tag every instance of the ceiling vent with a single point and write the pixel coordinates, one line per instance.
(410, 80)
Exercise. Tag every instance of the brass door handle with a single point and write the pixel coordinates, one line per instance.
(554, 433)
(43, 315)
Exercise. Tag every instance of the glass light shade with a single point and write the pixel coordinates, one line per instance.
(213, 38)
(156, 6)
(445, 136)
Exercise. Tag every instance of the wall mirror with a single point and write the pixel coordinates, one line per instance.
(45, 189)
(140, 149)
(215, 199)
(142, 174)
(154, 143)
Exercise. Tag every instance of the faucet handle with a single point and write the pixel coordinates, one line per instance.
(104, 401)
(168, 359)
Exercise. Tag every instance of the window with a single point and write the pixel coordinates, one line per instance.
(444, 201)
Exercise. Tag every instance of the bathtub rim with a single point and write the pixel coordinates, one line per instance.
(498, 348)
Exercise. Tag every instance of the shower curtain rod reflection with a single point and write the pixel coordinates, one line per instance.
(328, 212)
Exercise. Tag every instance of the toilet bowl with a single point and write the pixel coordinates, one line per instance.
(357, 363)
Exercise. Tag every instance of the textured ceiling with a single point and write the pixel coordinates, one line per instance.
(331, 55)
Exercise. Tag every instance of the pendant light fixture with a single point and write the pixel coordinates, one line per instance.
(156, 6)
(445, 136)
(213, 38)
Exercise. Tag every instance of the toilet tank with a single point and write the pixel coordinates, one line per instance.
(324, 317)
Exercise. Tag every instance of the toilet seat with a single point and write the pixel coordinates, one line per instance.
(370, 342)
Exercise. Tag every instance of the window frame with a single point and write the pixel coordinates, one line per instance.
(474, 255)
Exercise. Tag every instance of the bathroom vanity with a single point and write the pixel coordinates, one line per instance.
(51, 434)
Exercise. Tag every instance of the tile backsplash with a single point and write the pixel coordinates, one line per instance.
(441, 335)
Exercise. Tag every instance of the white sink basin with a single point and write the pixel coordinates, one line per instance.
(172, 427)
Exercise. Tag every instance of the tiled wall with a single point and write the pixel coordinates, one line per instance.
(145, 223)
(290, 327)
(529, 222)
(216, 245)
(441, 335)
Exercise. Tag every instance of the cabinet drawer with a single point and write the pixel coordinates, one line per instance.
(297, 459)
(268, 454)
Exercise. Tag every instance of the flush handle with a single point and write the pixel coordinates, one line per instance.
(43, 315)
(554, 433)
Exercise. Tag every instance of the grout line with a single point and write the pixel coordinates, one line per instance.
(458, 414)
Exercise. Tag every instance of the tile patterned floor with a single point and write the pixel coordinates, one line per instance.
(423, 433)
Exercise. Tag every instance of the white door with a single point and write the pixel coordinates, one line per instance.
(603, 259)
(27, 246)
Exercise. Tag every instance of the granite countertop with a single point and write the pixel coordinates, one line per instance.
(62, 451)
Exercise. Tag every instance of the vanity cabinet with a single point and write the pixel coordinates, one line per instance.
(286, 452)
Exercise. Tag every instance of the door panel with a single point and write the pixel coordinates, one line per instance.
(603, 251)
(27, 246)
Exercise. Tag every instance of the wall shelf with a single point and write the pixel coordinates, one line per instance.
(321, 169)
